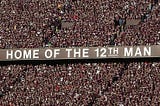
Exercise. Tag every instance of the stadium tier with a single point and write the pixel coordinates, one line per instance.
(94, 83)
(87, 23)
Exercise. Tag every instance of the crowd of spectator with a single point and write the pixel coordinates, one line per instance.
(81, 84)
(39, 23)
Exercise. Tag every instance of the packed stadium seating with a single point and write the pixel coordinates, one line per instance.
(81, 84)
(32, 24)
(39, 24)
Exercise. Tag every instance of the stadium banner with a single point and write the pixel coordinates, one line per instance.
(80, 53)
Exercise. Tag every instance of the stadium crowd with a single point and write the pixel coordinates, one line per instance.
(40, 23)
(81, 84)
